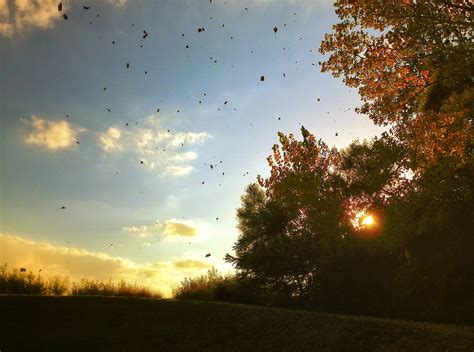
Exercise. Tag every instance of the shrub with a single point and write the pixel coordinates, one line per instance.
(15, 281)
(56, 286)
(87, 287)
(214, 286)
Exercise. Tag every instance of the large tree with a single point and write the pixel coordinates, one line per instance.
(297, 238)
(430, 229)
(413, 64)
(291, 220)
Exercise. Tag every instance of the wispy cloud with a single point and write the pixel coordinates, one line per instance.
(144, 231)
(172, 229)
(117, 3)
(53, 134)
(155, 147)
(78, 263)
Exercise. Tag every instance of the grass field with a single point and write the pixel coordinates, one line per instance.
(34, 323)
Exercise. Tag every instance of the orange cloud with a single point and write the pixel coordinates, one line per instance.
(52, 135)
(192, 264)
(21, 16)
(176, 228)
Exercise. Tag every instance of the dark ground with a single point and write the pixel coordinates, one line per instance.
(34, 323)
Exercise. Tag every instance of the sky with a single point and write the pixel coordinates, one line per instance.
(112, 119)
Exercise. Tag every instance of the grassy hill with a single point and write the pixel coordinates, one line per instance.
(34, 323)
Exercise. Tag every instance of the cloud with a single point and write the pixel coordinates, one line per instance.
(21, 16)
(144, 231)
(191, 264)
(79, 263)
(178, 170)
(170, 229)
(176, 228)
(110, 139)
(117, 3)
(52, 135)
(18, 16)
(154, 146)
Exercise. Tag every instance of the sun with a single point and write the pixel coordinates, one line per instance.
(364, 220)
(367, 220)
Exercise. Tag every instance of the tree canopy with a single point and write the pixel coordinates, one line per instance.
(413, 64)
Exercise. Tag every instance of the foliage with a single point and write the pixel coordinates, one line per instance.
(15, 281)
(87, 287)
(299, 243)
(214, 286)
(293, 222)
(431, 232)
(56, 286)
(413, 63)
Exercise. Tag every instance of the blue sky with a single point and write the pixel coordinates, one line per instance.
(53, 75)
